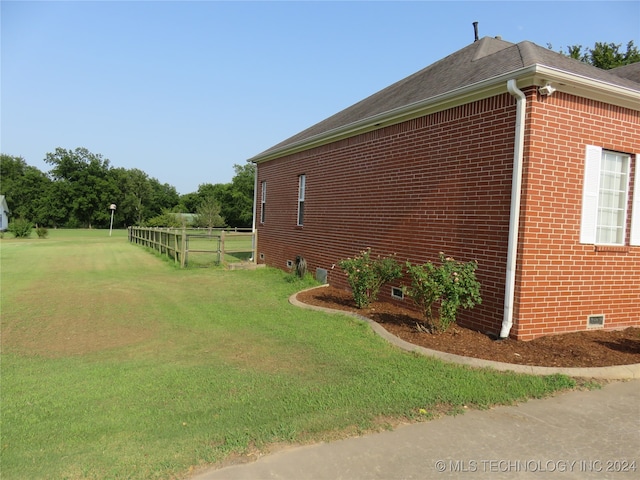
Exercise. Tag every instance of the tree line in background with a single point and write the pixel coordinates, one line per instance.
(80, 187)
(604, 55)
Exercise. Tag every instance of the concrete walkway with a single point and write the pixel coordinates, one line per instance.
(578, 435)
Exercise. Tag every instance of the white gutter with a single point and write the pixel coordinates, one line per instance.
(514, 217)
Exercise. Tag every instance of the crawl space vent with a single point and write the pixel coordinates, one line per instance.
(321, 275)
(397, 293)
(595, 321)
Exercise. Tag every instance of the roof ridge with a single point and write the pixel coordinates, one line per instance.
(489, 46)
(472, 66)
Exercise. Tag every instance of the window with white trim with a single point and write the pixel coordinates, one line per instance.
(302, 180)
(605, 198)
(263, 201)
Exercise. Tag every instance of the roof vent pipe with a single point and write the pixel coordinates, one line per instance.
(475, 31)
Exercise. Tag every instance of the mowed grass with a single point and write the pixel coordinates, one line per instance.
(203, 249)
(116, 364)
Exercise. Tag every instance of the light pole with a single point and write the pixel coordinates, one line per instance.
(112, 207)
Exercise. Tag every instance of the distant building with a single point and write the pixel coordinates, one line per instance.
(4, 214)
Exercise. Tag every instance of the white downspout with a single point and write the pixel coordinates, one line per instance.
(254, 258)
(514, 218)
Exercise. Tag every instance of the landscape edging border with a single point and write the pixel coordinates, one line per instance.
(616, 372)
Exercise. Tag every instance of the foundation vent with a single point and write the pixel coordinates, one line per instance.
(397, 293)
(595, 321)
(321, 275)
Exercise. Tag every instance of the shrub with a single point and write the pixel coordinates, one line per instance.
(453, 284)
(366, 275)
(20, 228)
(167, 219)
(42, 232)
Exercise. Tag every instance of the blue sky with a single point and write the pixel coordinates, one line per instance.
(185, 90)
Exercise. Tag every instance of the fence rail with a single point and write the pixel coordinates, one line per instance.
(198, 247)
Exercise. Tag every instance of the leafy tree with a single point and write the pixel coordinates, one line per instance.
(163, 197)
(81, 185)
(236, 198)
(188, 203)
(134, 194)
(26, 189)
(208, 214)
(83, 177)
(604, 55)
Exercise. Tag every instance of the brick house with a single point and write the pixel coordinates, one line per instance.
(510, 154)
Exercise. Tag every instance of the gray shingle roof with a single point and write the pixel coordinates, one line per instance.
(480, 61)
(630, 72)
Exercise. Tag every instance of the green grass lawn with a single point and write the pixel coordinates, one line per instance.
(116, 364)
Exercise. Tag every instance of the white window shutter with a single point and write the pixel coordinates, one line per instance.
(590, 194)
(635, 206)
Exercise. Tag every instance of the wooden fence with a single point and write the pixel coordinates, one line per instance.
(198, 247)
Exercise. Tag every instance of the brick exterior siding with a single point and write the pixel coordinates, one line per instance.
(442, 182)
(561, 281)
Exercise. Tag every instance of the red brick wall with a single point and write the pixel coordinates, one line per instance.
(443, 183)
(561, 280)
(437, 183)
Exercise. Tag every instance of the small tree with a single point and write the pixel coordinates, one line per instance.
(42, 232)
(208, 214)
(366, 275)
(20, 228)
(453, 284)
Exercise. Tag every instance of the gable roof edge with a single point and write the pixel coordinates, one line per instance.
(476, 91)
(537, 74)
(583, 86)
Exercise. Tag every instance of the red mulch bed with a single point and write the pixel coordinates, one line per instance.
(594, 348)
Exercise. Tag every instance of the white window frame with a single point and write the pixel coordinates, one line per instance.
(635, 205)
(263, 201)
(302, 186)
(591, 199)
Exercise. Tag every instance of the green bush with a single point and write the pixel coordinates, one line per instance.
(42, 232)
(166, 220)
(366, 275)
(20, 228)
(453, 285)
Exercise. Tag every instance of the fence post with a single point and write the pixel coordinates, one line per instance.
(222, 234)
(183, 248)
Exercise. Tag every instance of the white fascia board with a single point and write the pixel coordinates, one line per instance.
(586, 87)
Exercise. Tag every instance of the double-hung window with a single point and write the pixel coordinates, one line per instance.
(302, 180)
(606, 198)
(263, 202)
